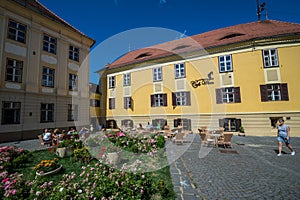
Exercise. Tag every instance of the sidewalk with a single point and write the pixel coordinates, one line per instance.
(250, 170)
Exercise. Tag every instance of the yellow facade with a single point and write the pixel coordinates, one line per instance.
(37, 86)
(248, 75)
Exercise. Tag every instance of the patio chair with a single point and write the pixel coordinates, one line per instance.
(179, 137)
(203, 138)
(225, 140)
(43, 143)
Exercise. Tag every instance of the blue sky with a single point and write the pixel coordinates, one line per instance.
(119, 26)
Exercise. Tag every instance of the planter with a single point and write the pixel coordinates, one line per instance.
(49, 173)
(113, 158)
(64, 151)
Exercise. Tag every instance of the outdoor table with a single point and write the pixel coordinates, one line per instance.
(215, 136)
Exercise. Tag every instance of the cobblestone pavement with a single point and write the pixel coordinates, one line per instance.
(250, 170)
(31, 145)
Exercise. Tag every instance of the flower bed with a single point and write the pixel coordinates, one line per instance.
(79, 181)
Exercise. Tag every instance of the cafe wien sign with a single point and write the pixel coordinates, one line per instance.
(203, 81)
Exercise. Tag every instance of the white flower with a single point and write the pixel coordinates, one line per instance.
(61, 189)
(79, 191)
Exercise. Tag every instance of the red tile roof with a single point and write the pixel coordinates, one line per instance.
(215, 38)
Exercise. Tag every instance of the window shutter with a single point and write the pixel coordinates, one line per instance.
(165, 102)
(221, 123)
(175, 122)
(152, 99)
(131, 103)
(237, 95)
(284, 92)
(219, 96)
(238, 124)
(125, 103)
(188, 98)
(263, 93)
(174, 99)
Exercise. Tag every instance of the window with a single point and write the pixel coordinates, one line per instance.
(47, 112)
(270, 58)
(49, 44)
(14, 69)
(181, 99)
(94, 103)
(73, 82)
(127, 123)
(230, 124)
(228, 95)
(111, 103)
(185, 123)
(16, 31)
(225, 63)
(274, 121)
(126, 80)
(158, 100)
(274, 92)
(157, 74)
(128, 102)
(111, 82)
(48, 77)
(11, 112)
(179, 70)
(72, 112)
(74, 53)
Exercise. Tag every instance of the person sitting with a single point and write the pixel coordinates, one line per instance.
(71, 131)
(47, 136)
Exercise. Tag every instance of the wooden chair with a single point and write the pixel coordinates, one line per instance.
(225, 140)
(178, 138)
(202, 129)
(203, 138)
(43, 143)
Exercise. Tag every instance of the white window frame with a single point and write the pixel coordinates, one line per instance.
(228, 95)
(159, 100)
(179, 70)
(225, 63)
(157, 74)
(270, 57)
(112, 82)
(46, 82)
(127, 102)
(181, 98)
(274, 92)
(16, 31)
(74, 53)
(126, 79)
(16, 68)
(73, 82)
(49, 44)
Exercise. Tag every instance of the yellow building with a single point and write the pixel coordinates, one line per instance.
(44, 74)
(97, 111)
(240, 76)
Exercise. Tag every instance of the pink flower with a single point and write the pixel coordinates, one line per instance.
(5, 180)
(122, 183)
(121, 134)
(14, 191)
